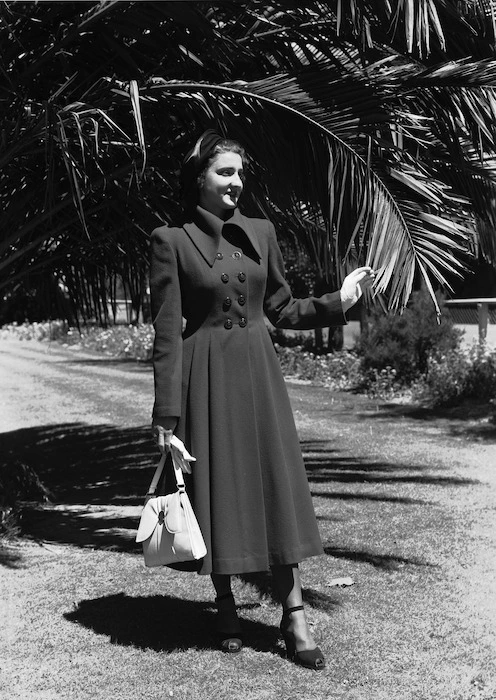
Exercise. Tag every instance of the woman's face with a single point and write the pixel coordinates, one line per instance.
(223, 184)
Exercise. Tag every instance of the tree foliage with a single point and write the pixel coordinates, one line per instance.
(370, 125)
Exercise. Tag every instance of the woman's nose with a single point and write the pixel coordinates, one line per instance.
(236, 181)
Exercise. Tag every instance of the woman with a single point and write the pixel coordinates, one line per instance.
(219, 387)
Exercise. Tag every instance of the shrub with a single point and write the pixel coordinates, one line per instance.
(379, 384)
(405, 342)
(283, 338)
(134, 342)
(38, 330)
(339, 370)
(458, 375)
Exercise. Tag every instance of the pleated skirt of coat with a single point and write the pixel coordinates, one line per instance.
(248, 487)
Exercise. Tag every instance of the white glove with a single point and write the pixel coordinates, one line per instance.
(180, 454)
(355, 284)
(163, 437)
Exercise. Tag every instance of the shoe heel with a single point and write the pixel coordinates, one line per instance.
(229, 641)
(290, 646)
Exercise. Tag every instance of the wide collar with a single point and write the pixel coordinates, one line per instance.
(206, 230)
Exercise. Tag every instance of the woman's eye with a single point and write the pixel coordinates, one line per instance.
(230, 172)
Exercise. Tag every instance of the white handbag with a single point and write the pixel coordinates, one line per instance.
(168, 528)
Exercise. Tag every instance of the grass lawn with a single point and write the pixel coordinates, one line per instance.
(405, 503)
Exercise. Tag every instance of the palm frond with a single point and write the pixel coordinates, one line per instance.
(358, 211)
(370, 130)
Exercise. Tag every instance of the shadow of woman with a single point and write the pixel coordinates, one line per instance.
(163, 623)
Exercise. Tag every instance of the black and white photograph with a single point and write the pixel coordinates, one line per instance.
(248, 350)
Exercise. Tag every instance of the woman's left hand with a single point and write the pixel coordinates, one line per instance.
(163, 438)
(355, 284)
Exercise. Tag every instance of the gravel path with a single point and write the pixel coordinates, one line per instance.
(47, 383)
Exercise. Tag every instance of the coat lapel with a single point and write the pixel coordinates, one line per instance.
(244, 223)
(205, 232)
(207, 243)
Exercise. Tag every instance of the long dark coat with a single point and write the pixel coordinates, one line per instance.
(221, 377)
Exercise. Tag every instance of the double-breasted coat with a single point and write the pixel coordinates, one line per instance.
(220, 376)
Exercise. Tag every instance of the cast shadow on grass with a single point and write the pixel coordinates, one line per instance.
(325, 465)
(469, 418)
(84, 527)
(386, 562)
(369, 475)
(80, 463)
(380, 498)
(10, 558)
(164, 623)
(98, 475)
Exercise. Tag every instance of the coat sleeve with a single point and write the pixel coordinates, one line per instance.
(284, 311)
(165, 298)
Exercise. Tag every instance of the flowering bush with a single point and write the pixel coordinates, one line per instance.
(45, 330)
(381, 384)
(134, 342)
(339, 370)
(459, 374)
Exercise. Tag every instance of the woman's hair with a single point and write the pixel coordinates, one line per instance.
(199, 159)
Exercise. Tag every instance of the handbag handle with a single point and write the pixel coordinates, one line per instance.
(158, 473)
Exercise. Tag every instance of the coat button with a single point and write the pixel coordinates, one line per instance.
(241, 300)
(236, 255)
(224, 277)
(228, 324)
(241, 276)
(242, 322)
(227, 303)
(219, 256)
